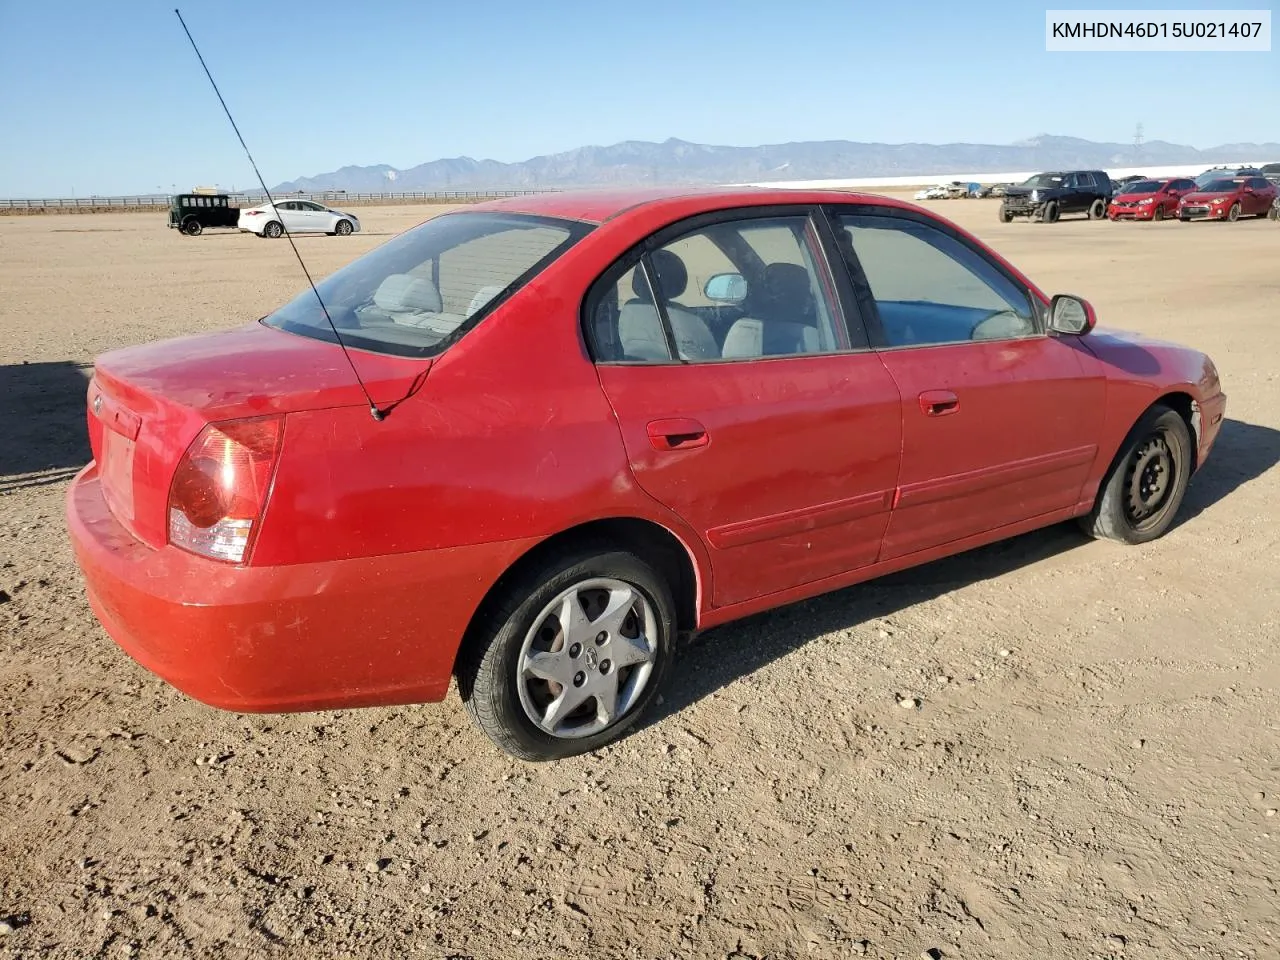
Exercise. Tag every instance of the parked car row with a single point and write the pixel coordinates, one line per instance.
(1220, 193)
(193, 213)
(1226, 198)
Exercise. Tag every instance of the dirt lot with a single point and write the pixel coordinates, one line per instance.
(1094, 769)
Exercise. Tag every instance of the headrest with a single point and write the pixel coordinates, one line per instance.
(403, 293)
(482, 297)
(784, 293)
(671, 279)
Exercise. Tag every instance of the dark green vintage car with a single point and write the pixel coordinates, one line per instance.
(192, 213)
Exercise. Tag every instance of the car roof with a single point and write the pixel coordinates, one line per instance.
(602, 205)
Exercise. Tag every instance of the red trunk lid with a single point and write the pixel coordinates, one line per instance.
(147, 403)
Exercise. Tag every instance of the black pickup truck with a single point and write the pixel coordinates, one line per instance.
(1047, 196)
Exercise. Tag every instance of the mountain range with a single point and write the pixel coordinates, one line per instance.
(636, 162)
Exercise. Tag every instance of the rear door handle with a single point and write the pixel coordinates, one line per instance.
(939, 403)
(677, 434)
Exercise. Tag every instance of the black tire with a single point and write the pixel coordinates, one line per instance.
(1097, 209)
(343, 228)
(192, 227)
(1273, 213)
(1005, 215)
(1234, 213)
(1159, 212)
(273, 230)
(1141, 493)
(488, 665)
(1050, 214)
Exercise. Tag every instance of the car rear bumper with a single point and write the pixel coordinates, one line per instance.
(367, 631)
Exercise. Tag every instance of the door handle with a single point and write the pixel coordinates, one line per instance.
(938, 403)
(677, 434)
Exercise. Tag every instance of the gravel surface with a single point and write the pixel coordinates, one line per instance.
(1048, 748)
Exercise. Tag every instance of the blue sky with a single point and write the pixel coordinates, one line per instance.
(108, 98)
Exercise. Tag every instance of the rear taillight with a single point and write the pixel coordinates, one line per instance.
(253, 213)
(220, 488)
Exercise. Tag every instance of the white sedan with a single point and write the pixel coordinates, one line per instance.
(297, 216)
(940, 192)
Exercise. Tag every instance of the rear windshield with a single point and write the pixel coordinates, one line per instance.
(416, 294)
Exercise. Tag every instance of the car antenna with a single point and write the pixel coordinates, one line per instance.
(374, 410)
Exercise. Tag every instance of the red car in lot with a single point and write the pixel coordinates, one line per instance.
(611, 419)
(1229, 199)
(1150, 199)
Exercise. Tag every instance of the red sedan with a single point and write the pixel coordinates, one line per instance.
(1149, 199)
(1229, 200)
(603, 420)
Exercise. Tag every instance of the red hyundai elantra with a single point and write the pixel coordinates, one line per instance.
(605, 420)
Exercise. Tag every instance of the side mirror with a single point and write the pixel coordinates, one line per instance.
(1071, 315)
(726, 287)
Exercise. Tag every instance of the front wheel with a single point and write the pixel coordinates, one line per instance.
(343, 228)
(571, 656)
(1234, 213)
(273, 230)
(1159, 214)
(1097, 210)
(1050, 214)
(1142, 491)
(1005, 215)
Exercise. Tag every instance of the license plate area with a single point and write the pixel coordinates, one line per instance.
(117, 474)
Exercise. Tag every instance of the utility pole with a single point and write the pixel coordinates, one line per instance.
(1137, 142)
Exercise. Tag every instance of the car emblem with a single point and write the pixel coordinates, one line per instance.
(591, 657)
(97, 404)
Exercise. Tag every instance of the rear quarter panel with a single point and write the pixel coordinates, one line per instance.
(509, 438)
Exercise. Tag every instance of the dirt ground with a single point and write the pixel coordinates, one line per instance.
(1093, 770)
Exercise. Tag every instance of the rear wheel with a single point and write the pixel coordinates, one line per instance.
(1234, 213)
(272, 230)
(1142, 491)
(192, 227)
(571, 655)
(343, 228)
(1097, 210)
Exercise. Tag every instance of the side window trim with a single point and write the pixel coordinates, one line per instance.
(847, 315)
(852, 285)
(862, 286)
(607, 282)
(645, 266)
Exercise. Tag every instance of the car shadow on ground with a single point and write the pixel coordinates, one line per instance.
(1243, 452)
(43, 437)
